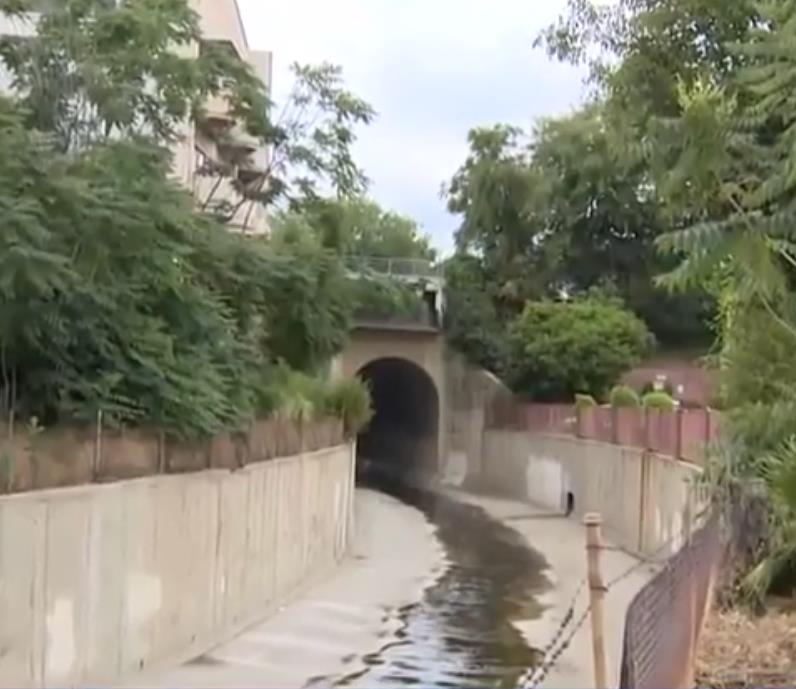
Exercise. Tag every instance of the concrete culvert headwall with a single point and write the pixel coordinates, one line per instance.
(401, 440)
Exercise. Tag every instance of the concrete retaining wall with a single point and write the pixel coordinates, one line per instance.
(100, 581)
(642, 497)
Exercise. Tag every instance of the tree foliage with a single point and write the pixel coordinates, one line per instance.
(562, 213)
(117, 294)
(309, 137)
(117, 291)
(353, 227)
(717, 137)
(560, 349)
(473, 325)
(94, 70)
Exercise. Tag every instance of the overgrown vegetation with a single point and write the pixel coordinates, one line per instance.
(701, 92)
(624, 397)
(118, 291)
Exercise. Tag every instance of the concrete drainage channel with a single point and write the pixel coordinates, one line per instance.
(461, 633)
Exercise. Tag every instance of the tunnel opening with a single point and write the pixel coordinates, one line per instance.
(400, 442)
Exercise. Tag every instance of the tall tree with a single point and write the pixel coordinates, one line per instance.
(354, 227)
(95, 70)
(492, 193)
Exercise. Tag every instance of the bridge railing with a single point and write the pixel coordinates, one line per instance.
(394, 267)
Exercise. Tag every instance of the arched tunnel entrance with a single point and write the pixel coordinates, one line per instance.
(401, 440)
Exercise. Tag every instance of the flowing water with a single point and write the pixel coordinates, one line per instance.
(460, 634)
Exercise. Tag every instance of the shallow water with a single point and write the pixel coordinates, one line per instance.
(460, 634)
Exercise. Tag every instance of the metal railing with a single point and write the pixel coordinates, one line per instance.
(394, 267)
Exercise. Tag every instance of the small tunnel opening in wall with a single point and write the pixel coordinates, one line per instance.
(570, 506)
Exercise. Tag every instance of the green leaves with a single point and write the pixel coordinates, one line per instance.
(118, 294)
(561, 349)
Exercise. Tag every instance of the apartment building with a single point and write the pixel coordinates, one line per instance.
(217, 141)
(221, 140)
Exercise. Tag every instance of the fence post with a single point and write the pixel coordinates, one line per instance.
(97, 463)
(596, 598)
(161, 452)
(678, 429)
(615, 425)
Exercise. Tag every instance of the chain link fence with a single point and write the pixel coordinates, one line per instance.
(664, 620)
(662, 623)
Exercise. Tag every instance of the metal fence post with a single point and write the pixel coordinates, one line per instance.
(596, 597)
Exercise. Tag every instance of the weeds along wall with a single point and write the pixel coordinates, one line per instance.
(99, 582)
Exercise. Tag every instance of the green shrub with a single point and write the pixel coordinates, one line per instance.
(625, 397)
(349, 399)
(583, 401)
(559, 348)
(649, 386)
(659, 400)
(377, 298)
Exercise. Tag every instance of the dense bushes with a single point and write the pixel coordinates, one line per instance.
(116, 293)
(558, 349)
(381, 299)
(658, 400)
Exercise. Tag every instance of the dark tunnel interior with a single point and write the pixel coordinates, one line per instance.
(401, 440)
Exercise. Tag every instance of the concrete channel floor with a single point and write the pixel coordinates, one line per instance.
(325, 631)
(323, 634)
(562, 542)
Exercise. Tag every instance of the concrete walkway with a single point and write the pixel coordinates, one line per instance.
(562, 542)
(325, 632)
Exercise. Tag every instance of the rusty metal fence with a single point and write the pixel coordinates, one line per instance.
(663, 623)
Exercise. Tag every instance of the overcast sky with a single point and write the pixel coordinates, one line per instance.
(432, 69)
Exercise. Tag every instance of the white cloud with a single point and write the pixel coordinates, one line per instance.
(433, 69)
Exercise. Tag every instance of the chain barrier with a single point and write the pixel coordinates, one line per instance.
(550, 652)
(560, 641)
(652, 560)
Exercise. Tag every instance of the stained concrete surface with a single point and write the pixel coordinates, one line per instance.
(562, 541)
(327, 628)
(323, 635)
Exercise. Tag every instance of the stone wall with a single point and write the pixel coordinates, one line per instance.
(98, 582)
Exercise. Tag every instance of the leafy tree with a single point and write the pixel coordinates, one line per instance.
(492, 192)
(117, 294)
(565, 214)
(473, 325)
(640, 52)
(95, 70)
(720, 159)
(310, 139)
(560, 349)
(353, 227)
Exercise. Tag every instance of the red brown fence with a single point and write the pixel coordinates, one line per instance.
(68, 456)
(684, 433)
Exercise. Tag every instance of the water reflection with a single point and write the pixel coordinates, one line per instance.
(461, 635)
